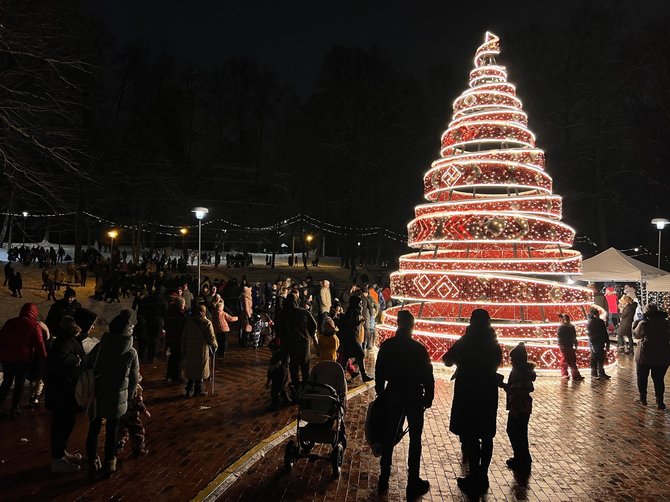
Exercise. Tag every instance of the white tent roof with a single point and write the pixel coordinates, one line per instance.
(613, 265)
(659, 283)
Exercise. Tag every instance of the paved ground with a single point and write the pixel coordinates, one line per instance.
(589, 441)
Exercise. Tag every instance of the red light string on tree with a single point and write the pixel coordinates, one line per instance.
(490, 236)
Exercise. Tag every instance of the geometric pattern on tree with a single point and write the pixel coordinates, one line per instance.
(491, 234)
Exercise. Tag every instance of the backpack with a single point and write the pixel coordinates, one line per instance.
(84, 389)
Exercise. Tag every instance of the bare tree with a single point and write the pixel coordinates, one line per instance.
(43, 74)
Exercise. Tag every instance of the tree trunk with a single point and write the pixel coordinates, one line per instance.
(78, 225)
(47, 231)
(7, 221)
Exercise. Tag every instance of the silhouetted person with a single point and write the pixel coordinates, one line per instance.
(405, 382)
(599, 342)
(296, 327)
(653, 352)
(473, 411)
(519, 405)
(567, 343)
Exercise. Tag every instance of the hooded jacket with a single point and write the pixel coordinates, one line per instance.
(21, 337)
(520, 383)
(64, 366)
(653, 333)
(116, 374)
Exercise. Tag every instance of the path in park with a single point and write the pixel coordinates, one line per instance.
(589, 441)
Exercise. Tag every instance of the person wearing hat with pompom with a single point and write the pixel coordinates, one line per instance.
(116, 368)
(477, 356)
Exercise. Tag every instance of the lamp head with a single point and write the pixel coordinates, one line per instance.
(309, 238)
(660, 223)
(112, 234)
(183, 231)
(200, 212)
(25, 213)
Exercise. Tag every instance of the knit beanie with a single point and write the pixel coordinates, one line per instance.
(518, 354)
(70, 293)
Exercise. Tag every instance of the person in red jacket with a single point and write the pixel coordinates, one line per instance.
(20, 340)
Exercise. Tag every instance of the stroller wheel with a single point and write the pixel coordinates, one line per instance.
(290, 454)
(306, 446)
(336, 460)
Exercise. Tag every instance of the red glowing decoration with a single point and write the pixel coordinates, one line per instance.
(490, 236)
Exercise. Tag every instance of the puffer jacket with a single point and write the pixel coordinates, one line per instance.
(21, 337)
(116, 374)
(653, 349)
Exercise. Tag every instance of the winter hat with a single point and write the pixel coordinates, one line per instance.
(120, 323)
(70, 293)
(518, 354)
(355, 301)
(69, 326)
(85, 318)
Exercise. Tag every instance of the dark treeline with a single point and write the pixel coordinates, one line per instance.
(141, 137)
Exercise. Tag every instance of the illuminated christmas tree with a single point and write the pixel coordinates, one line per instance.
(491, 235)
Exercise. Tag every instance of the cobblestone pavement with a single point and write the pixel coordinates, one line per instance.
(190, 440)
(589, 442)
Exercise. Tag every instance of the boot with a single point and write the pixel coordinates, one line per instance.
(660, 404)
(110, 466)
(94, 467)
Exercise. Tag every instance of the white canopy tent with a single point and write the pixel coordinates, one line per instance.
(659, 284)
(613, 265)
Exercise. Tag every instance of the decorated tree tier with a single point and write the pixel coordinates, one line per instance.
(491, 235)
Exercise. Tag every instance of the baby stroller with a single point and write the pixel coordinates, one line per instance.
(321, 416)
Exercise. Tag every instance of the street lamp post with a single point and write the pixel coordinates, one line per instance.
(25, 214)
(309, 243)
(183, 231)
(112, 235)
(200, 213)
(660, 224)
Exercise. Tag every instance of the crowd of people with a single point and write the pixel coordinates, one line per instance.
(295, 320)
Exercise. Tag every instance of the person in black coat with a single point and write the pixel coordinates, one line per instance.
(405, 382)
(66, 306)
(9, 273)
(350, 325)
(65, 362)
(297, 327)
(599, 341)
(567, 343)
(477, 356)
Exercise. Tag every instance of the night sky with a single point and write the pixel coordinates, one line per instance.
(291, 37)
